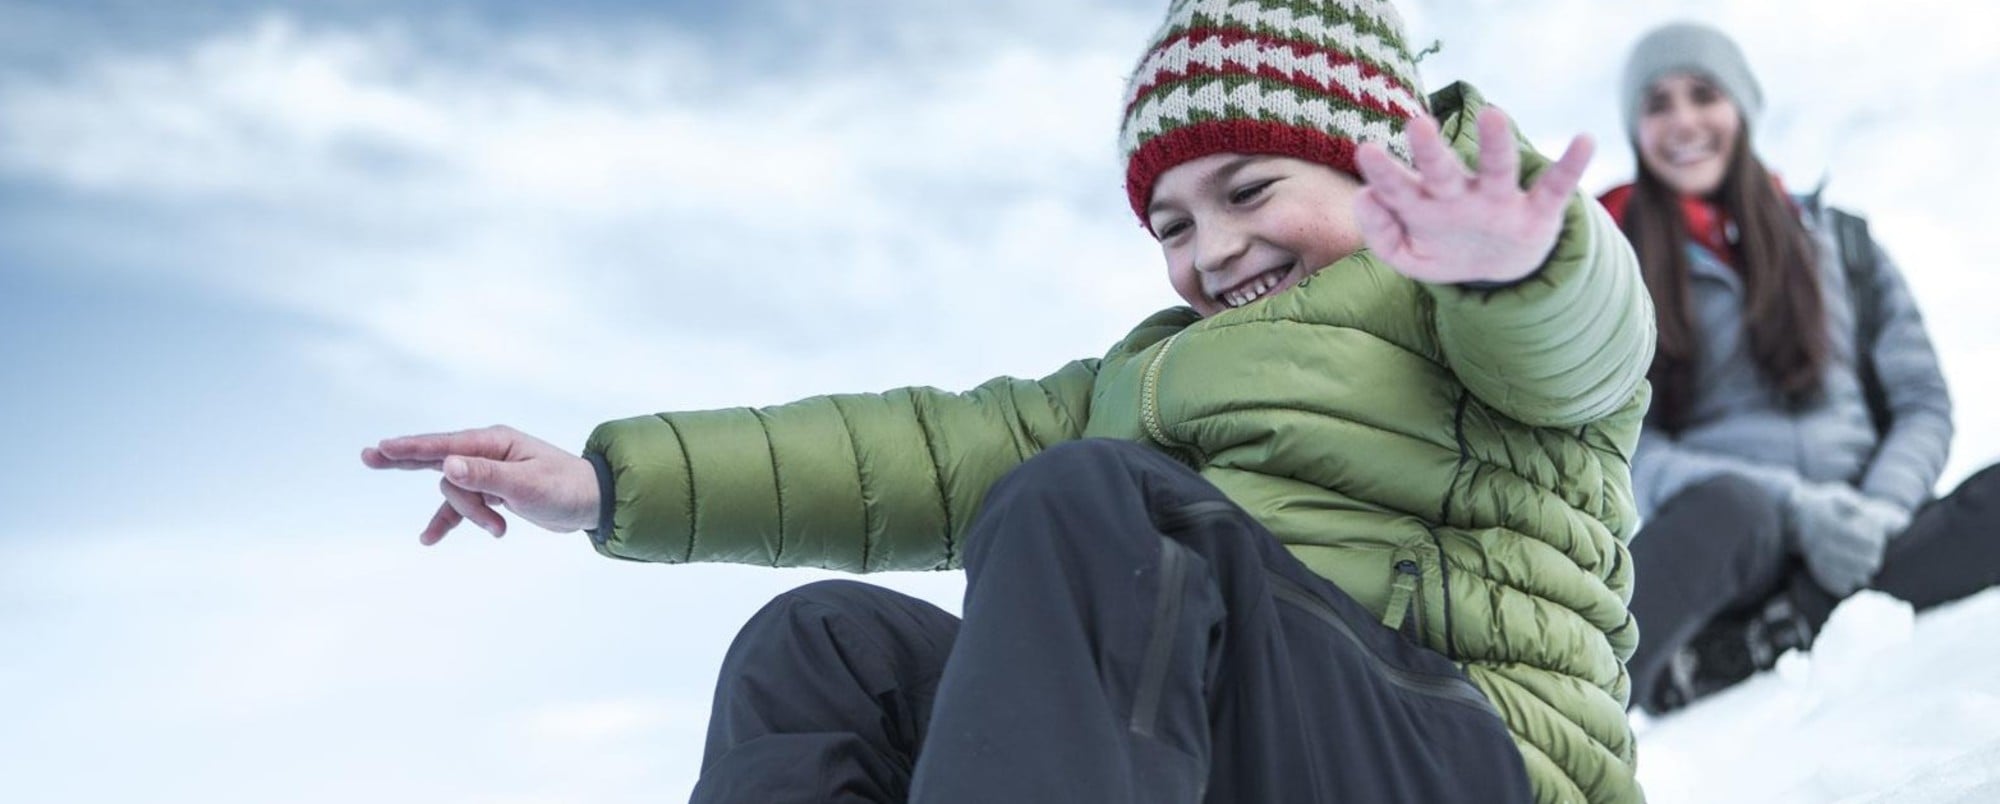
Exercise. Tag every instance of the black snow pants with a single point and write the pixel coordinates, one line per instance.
(1130, 636)
(1717, 551)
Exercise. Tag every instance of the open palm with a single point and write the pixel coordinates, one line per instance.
(1443, 224)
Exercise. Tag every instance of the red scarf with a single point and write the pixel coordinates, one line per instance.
(1705, 222)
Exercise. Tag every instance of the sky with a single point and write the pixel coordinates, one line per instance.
(241, 240)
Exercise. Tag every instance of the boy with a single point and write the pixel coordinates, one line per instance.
(1350, 526)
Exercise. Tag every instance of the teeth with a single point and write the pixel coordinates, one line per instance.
(1252, 291)
(1682, 156)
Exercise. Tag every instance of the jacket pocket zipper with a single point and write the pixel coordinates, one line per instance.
(1449, 688)
(1456, 690)
(1403, 597)
(1174, 558)
(1160, 643)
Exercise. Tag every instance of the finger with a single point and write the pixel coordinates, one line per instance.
(490, 442)
(1391, 182)
(1553, 188)
(469, 505)
(442, 522)
(376, 460)
(1499, 160)
(1443, 174)
(1380, 229)
(502, 478)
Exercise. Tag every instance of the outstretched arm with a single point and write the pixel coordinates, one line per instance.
(491, 466)
(852, 481)
(856, 482)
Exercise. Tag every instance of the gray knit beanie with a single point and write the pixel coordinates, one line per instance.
(1687, 47)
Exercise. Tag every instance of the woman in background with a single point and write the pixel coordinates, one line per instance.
(1799, 419)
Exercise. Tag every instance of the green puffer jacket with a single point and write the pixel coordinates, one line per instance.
(1455, 460)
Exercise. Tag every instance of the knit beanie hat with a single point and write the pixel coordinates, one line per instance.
(1687, 47)
(1308, 79)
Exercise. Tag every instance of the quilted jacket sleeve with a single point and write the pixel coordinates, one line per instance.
(1567, 346)
(1913, 451)
(857, 482)
(1663, 468)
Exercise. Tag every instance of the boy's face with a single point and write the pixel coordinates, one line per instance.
(1237, 228)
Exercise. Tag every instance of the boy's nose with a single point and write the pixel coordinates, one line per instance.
(1218, 247)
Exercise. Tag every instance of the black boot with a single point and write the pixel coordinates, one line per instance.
(1731, 649)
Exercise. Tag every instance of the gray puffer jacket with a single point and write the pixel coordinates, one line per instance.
(1738, 424)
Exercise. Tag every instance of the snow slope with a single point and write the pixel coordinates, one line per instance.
(1886, 708)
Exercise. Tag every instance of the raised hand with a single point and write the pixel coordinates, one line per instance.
(496, 466)
(1443, 224)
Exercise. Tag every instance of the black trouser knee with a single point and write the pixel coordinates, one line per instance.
(1715, 547)
(824, 696)
(1952, 548)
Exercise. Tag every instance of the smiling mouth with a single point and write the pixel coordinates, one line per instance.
(1255, 287)
(1688, 155)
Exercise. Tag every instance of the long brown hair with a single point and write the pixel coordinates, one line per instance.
(1783, 312)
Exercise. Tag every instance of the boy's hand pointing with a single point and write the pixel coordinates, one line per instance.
(496, 466)
(1443, 224)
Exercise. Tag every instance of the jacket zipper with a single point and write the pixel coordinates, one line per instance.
(1149, 408)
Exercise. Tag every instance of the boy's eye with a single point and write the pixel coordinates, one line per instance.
(1656, 102)
(1249, 192)
(1704, 95)
(1170, 229)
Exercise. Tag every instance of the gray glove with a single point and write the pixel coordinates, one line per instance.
(1841, 533)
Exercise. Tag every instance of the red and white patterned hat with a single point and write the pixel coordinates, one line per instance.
(1309, 80)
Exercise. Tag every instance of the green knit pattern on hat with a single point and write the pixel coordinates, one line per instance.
(1310, 80)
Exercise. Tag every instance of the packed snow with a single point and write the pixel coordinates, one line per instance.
(1886, 707)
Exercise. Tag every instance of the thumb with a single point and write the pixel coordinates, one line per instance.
(480, 474)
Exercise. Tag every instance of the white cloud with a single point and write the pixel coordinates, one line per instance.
(318, 665)
(544, 216)
(599, 721)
